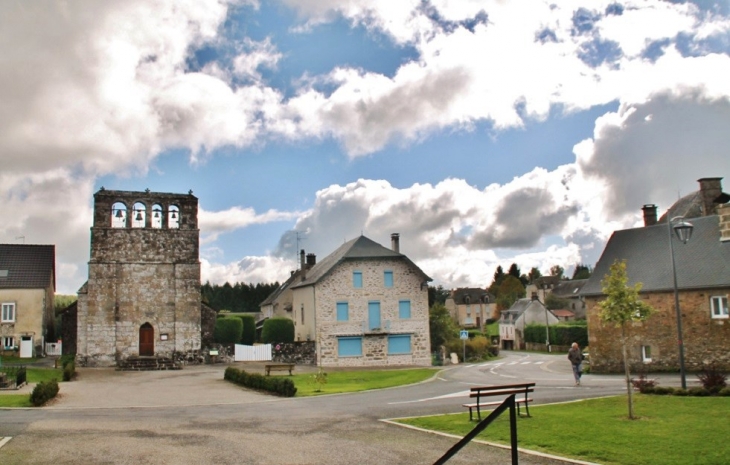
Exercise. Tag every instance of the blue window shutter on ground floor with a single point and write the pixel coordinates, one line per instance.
(349, 346)
(400, 344)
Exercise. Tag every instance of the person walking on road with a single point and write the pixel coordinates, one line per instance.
(576, 359)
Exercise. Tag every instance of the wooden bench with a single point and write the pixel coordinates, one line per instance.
(279, 367)
(499, 390)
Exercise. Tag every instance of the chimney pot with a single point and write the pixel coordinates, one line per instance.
(650, 214)
(301, 259)
(395, 242)
(311, 260)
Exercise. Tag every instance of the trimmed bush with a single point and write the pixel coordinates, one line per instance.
(274, 384)
(277, 330)
(43, 392)
(713, 378)
(228, 330)
(698, 392)
(562, 334)
(69, 370)
(248, 335)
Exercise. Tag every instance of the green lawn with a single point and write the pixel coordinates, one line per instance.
(670, 430)
(360, 380)
(33, 375)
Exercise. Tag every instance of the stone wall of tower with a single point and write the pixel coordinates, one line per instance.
(143, 273)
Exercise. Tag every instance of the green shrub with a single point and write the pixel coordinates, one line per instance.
(248, 335)
(477, 348)
(228, 330)
(275, 384)
(663, 390)
(69, 370)
(698, 392)
(680, 392)
(725, 392)
(563, 334)
(43, 392)
(66, 359)
(277, 330)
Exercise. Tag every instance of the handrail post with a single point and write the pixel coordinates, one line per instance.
(513, 428)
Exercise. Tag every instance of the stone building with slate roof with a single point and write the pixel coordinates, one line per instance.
(27, 288)
(364, 305)
(522, 313)
(472, 307)
(142, 297)
(703, 281)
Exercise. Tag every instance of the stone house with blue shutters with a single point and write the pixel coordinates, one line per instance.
(364, 305)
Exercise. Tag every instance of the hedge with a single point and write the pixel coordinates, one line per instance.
(228, 330)
(43, 392)
(248, 335)
(277, 330)
(563, 335)
(275, 384)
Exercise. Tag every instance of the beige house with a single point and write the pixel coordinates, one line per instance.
(27, 288)
(364, 305)
(703, 283)
(471, 307)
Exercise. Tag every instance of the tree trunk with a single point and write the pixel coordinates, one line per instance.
(629, 389)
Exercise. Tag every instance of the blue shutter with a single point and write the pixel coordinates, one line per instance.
(404, 309)
(373, 315)
(349, 346)
(400, 344)
(342, 311)
(388, 278)
(357, 279)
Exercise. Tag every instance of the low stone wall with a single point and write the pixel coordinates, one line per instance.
(300, 353)
(555, 349)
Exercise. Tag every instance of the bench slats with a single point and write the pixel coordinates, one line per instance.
(499, 390)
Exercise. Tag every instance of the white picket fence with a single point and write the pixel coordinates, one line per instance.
(260, 353)
(53, 348)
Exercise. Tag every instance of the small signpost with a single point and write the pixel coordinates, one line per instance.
(464, 335)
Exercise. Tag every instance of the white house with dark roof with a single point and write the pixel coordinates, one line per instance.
(522, 313)
(703, 282)
(364, 305)
(27, 288)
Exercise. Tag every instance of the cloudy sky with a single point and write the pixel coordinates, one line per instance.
(484, 132)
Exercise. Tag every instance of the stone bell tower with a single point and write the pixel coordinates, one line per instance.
(142, 297)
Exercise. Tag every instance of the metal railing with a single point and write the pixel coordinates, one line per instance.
(509, 403)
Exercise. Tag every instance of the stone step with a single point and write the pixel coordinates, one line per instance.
(147, 364)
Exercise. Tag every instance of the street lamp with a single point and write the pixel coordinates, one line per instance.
(683, 230)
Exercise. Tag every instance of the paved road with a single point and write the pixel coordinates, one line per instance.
(193, 416)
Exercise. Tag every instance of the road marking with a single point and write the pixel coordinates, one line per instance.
(445, 396)
(539, 363)
(4, 441)
(525, 363)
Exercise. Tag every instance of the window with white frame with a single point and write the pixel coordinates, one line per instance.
(8, 312)
(718, 304)
(8, 342)
(646, 354)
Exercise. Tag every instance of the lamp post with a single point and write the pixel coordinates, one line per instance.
(683, 230)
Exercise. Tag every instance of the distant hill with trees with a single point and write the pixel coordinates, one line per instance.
(240, 297)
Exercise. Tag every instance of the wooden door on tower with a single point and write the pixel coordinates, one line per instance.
(146, 340)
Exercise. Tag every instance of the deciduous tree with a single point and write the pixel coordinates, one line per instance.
(623, 305)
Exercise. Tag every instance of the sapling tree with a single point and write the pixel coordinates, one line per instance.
(623, 305)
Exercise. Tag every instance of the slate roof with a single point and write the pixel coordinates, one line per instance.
(27, 266)
(704, 262)
(570, 288)
(360, 248)
(278, 291)
(475, 295)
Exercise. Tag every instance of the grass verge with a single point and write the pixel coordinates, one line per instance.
(669, 431)
(360, 380)
(33, 375)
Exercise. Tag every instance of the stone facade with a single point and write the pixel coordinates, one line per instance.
(144, 273)
(705, 338)
(337, 286)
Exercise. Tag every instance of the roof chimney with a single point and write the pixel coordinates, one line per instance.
(311, 260)
(650, 215)
(710, 190)
(301, 259)
(395, 242)
(723, 211)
